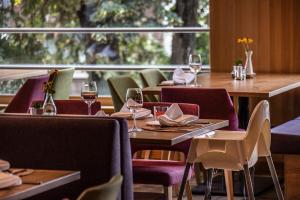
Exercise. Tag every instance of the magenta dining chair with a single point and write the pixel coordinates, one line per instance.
(74, 107)
(215, 103)
(162, 172)
(32, 90)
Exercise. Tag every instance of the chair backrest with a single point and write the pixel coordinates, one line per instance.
(63, 83)
(151, 77)
(74, 107)
(191, 109)
(259, 131)
(215, 103)
(105, 191)
(118, 87)
(32, 90)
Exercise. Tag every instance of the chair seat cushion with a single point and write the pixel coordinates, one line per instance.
(161, 172)
(286, 138)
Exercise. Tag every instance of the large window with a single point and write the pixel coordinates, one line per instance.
(127, 34)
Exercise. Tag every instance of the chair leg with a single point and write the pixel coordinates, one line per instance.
(168, 192)
(184, 179)
(229, 184)
(198, 176)
(248, 182)
(275, 178)
(209, 178)
(188, 191)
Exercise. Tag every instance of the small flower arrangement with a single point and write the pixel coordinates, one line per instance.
(238, 62)
(245, 41)
(37, 105)
(48, 87)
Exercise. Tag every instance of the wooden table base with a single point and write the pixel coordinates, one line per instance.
(292, 177)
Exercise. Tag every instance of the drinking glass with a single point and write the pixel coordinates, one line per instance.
(195, 65)
(89, 94)
(134, 102)
(159, 110)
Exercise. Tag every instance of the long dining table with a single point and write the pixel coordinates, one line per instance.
(263, 86)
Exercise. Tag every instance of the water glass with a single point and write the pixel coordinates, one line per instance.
(195, 65)
(159, 110)
(89, 94)
(134, 102)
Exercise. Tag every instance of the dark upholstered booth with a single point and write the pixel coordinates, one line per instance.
(286, 138)
(98, 147)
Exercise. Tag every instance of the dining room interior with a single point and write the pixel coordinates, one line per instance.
(181, 99)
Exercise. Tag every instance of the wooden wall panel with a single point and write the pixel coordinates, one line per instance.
(274, 26)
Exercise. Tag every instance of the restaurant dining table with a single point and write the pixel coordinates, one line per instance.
(263, 86)
(169, 136)
(37, 182)
(12, 74)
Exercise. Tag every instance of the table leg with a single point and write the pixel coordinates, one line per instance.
(229, 184)
(291, 177)
(236, 104)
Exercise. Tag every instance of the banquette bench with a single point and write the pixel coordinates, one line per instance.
(97, 147)
(286, 141)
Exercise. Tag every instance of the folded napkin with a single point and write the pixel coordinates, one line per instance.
(180, 77)
(4, 165)
(7, 180)
(125, 112)
(101, 113)
(175, 117)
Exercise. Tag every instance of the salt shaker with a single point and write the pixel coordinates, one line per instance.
(234, 72)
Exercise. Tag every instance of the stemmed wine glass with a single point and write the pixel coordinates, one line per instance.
(89, 94)
(134, 102)
(195, 65)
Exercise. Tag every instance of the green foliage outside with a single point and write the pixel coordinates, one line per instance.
(129, 48)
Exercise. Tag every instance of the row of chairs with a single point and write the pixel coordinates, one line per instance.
(32, 91)
(119, 84)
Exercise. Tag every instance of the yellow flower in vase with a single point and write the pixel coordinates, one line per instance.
(246, 42)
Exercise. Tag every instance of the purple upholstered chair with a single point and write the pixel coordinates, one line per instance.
(32, 90)
(215, 103)
(74, 107)
(162, 172)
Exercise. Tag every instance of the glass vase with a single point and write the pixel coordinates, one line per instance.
(49, 107)
(248, 63)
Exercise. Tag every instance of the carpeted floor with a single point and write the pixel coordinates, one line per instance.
(154, 192)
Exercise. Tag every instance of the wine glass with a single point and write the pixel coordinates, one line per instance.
(89, 94)
(134, 102)
(195, 65)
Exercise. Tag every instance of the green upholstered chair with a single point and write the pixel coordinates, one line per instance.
(150, 78)
(107, 191)
(118, 87)
(63, 83)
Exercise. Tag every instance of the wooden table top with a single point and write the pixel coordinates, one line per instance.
(11, 74)
(263, 85)
(37, 182)
(173, 136)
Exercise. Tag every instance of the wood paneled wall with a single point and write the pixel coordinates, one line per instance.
(275, 27)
